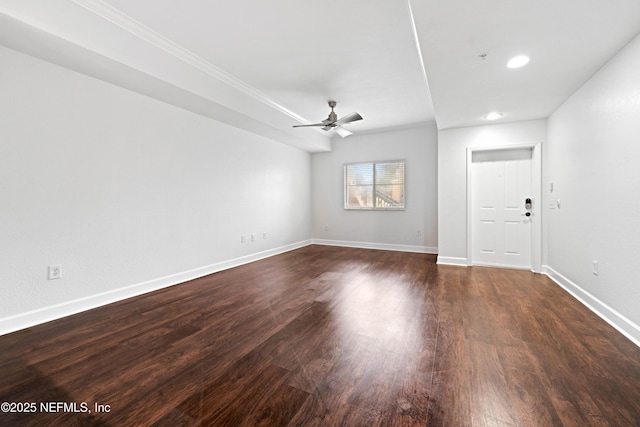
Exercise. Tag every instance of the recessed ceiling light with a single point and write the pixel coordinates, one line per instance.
(518, 61)
(493, 115)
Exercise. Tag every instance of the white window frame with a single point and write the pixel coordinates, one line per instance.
(345, 186)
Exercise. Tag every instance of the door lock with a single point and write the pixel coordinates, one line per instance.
(527, 206)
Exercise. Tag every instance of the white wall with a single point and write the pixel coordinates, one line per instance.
(592, 158)
(127, 193)
(394, 230)
(452, 177)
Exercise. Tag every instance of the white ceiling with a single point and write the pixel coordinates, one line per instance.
(302, 54)
(567, 41)
(266, 66)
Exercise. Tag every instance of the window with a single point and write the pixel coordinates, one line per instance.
(378, 186)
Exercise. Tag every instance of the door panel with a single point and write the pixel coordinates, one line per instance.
(501, 233)
(487, 229)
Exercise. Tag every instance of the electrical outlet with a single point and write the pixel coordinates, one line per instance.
(418, 233)
(326, 228)
(253, 237)
(55, 272)
(594, 267)
(243, 239)
(264, 235)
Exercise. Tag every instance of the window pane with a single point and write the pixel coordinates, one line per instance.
(360, 174)
(389, 173)
(359, 197)
(390, 196)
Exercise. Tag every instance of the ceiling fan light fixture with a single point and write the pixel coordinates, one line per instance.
(494, 115)
(518, 61)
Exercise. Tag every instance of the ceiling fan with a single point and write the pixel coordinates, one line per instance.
(332, 121)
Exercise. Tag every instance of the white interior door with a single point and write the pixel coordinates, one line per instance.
(501, 230)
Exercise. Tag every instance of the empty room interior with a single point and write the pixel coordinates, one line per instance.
(337, 213)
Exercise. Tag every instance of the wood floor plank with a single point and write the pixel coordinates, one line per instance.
(529, 399)
(329, 336)
(489, 398)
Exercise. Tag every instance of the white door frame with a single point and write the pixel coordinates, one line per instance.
(536, 196)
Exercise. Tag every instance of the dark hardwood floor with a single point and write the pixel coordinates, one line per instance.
(327, 336)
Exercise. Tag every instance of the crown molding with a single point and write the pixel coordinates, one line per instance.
(127, 23)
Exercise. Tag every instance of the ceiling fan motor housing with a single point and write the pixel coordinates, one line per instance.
(332, 115)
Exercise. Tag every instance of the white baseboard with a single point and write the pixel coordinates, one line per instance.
(449, 260)
(379, 246)
(58, 311)
(625, 326)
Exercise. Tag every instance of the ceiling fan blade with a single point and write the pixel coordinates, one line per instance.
(313, 124)
(343, 132)
(328, 127)
(349, 118)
